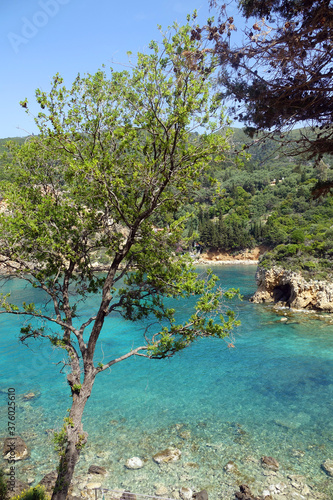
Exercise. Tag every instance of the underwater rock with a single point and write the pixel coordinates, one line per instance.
(245, 493)
(134, 463)
(270, 463)
(161, 491)
(186, 493)
(231, 467)
(29, 395)
(96, 469)
(14, 448)
(185, 435)
(327, 466)
(168, 455)
(191, 465)
(201, 495)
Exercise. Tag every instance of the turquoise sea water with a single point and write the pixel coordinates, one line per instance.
(270, 395)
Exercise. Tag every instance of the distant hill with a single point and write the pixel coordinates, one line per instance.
(19, 140)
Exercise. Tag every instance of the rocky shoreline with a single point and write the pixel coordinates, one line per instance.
(289, 289)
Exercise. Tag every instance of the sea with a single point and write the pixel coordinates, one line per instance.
(269, 392)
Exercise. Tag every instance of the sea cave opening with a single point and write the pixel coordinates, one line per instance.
(282, 293)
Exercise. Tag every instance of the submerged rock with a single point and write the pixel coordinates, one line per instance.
(161, 490)
(244, 493)
(327, 466)
(231, 467)
(201, 495)
(186, 493)
(134, 463)
(270, 463)
(14, 448)
(96, 469)
(168, 455)
(29, 395)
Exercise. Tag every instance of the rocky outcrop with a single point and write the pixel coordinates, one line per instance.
(290, 289)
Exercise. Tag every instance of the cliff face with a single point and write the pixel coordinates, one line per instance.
(290, 289)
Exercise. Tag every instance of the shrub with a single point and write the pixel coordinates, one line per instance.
(297, 236)
(3, 486)
(286, 250)
(310, 266)
(35, 493)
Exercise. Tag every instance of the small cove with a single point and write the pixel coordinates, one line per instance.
(270, 395)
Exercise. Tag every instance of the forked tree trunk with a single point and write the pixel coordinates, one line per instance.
(76, 438)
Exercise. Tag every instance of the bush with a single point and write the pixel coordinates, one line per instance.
(286, 250)
(310, 266)
(297, 236)
(3, 486)
(35, 493)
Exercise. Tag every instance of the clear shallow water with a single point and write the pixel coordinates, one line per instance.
(271, 395)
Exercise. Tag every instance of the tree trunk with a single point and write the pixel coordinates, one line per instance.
(76, 438)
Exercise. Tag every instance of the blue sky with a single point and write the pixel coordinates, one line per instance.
(42, 37)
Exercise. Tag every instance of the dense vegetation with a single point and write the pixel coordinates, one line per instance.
(267, 200)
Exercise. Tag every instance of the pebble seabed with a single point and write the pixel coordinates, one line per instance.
(218, 466)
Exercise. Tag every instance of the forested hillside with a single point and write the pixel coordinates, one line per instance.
(4, 175)
(267, 199)
(19, 140)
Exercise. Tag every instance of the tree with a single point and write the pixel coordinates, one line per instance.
(281, 76)
(113, 155)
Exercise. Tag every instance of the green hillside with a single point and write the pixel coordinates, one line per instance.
(3, 150)
(266, 200)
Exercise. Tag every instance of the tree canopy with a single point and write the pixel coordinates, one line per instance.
(115, 158)
(281, 75)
